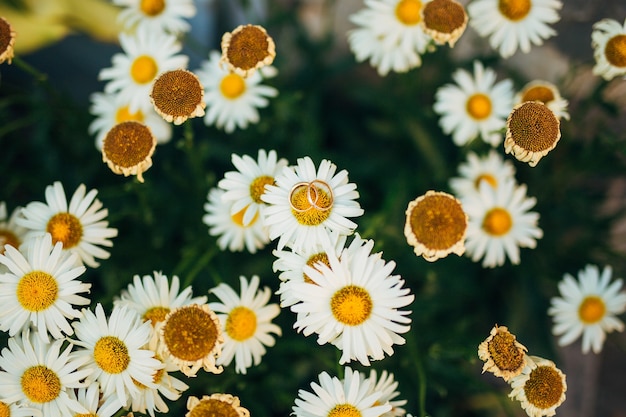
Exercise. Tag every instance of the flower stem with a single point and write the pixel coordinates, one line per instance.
(38, 75)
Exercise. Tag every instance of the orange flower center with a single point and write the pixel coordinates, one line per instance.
(615, 51)
(514, 9)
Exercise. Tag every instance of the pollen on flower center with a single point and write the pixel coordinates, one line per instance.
(5, 411)
(190, 333)
(40, 384)
(152, 7)
(344, 410)
(111, 354)
(65, 228)
(311, 203)
(232, 86)
(178, 95)
(156, 314)
(128, 144)
(237, 218)
(514, 9)
(438, 222)
(37, 290)
(351, 305)
(248, 46)
(409, 12)
(479, 106)
(591, 310)
(534, 127)
(8, 238)
(615, 51)
(444, 15)
(213, 407)
(504, 352)
(490, 179)
(241, 323)
(538, 93)
(257, 187)
(123, 114)
(544, 387)
(313, 259)
(497, 222)
(144, 69)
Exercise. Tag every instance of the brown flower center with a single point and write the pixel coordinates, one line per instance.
(213, 408)
(190, 333)
(128, 144)
(504, 352)
(534, 127)
(6, 35)
(7, 237)
(514, 9)
(544, 387)
(539, 93)
(177, 93)
(444, 16)
(438, 222)
(248, 47)
(615, 51)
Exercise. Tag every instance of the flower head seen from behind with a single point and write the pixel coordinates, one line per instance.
(156, 15)
(246, 49)
(128, 148)
(216, 405)
(11, 233)
(608, 39)
(503, 355)
(444, 20)
(490, 168)
(540, 388)
(475, 106)
(7, 41)
(500, 222)
(246, 320)
(232, 100)
(81, 226)
(178, 95)
(40, 289)
(545, 92)
(513, 24)
(589, 307)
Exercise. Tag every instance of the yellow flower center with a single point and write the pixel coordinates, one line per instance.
(444, 16)
(409, 12)
(514, 9)
(534, 127)
(344, 410)
(191, 333)
(248, 46)
(538, 93)
(84, 415)
(257, 187)
(37, 291)
(497, 222)
(438, 222)
(490, 179)
(7, 237)
(152, 7)
(313, 259)
(65, 228)
(111, 354)
(351, 305)
(156, 314)
(544, 387)
(311, 203)
(241, 323)
(123, 114)
(505, 353)
(213, 408)
(5, 411)
(237, 218)
(40, 384)
(592, 310)
(615, 51)
(177, 93)
(156, 378)
(478, 106)
(232, 86)
(128, 144)
(143, 69)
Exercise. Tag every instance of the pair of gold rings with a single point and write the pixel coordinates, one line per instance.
(315, 190)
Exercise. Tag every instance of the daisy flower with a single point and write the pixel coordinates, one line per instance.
(609, 48)
(40, 289)
(475, 106)
(113, 351)
(540, 388)
(178, 95)
(490, 168)
(81, 227)
(146, 55)
(503, 355)
(354, 304)
(389, 34)
(230, 228)
(232, 100)
(109, 110)
(156, 15)
(89, 398)
(246, 49)
(500, 223)
(306, 204)
(588, 307)
(39, 375)
(386, 385)
(246, 321)
(333, 397)
(216, 405)
(11, 233)
(245, 186)
(512, 24)
(7, 41)
(15, 410)
(128, 147)
(545, 92)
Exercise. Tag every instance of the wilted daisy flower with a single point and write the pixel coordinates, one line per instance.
(512, 24)
(609, 48)
(589, 307)
(40, 288)
(435, 225)
(11, 233)
(81, 227)
(15, 410)
(191, 337)
(230, 228)
(532, 130)
(540, 388)
(156, 15)
(128, 148)
(37, 374)
(109, 110)
(232, 100)
(503, 355)
(444, 20)
(89, 398)
(246, 49)
(386, 385)
(490, 168)
(215, 405)
(500, 223)
(475, 106)
(146, 54)
(545, 92)
(333, 397)
(246, 322)
(113, 351)
(354, 304)
(178, 95)
(307, 204)
(389, 35)
(7, 41)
